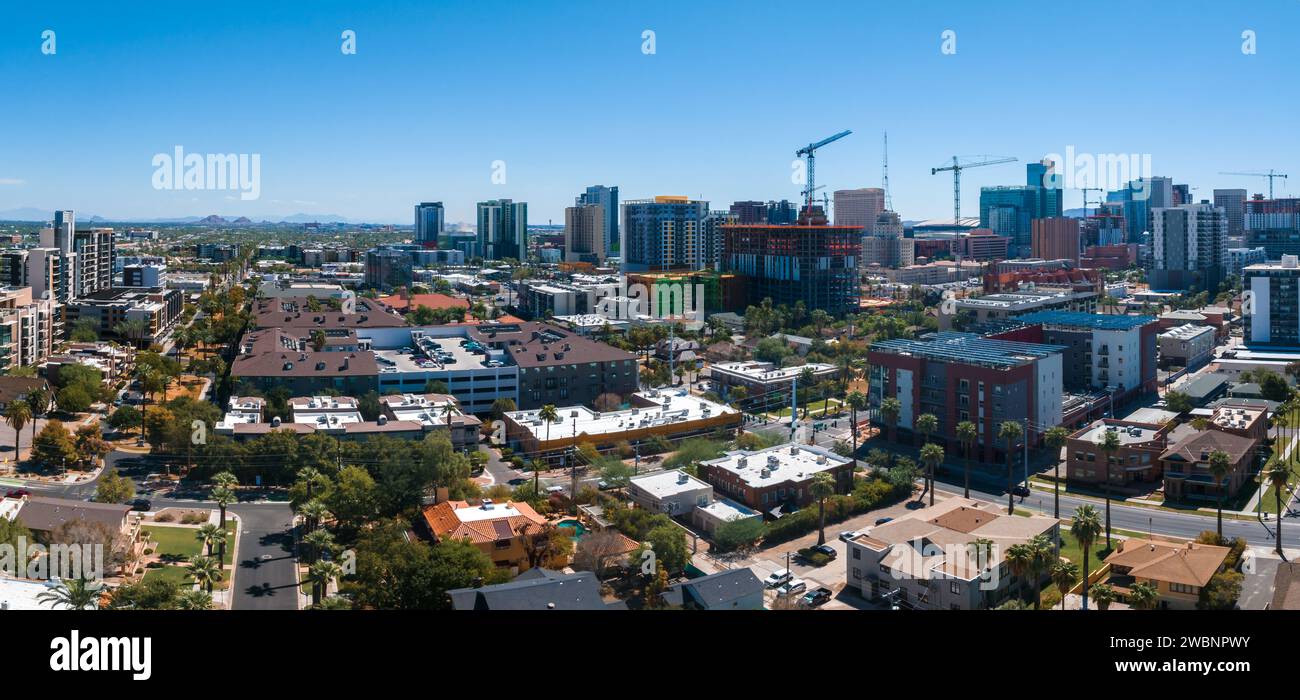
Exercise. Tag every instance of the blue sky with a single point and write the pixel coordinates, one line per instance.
(562, 93)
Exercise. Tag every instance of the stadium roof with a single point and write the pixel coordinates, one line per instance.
(969, 348)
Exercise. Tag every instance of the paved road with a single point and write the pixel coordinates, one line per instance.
(265, 573)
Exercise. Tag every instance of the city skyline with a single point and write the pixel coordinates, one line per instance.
(404, 120)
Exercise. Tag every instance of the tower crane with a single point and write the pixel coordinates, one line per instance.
(960, 163)
(1271, 175)
(810, 153)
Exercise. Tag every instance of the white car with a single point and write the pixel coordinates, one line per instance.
(777, 578)
(794, 587)
(847, 535)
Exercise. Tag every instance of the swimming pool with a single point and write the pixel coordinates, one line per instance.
(578, 528)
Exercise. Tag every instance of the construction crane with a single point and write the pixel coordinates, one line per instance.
(810, 153)
(1271, 174)
(1086, 190)
(960, 163)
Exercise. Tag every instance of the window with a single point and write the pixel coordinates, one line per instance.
(955, 587)
(857, 573)
(1182, 588)
(857, 554)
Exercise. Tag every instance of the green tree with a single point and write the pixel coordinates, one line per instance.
(738, 534)
(74, 399)
(320, 574)
(669, 542)
(1178, 402)
(72, 594)
(53, 447)
(1103, 594)
(551, 415)
(1065, 574)
(1143, 596)
(114, 488)
(1109, 445)
(206, 571)
(1055, 438)
(821, 488)
(890, 409)
(1010, 431)
(125, 419)
(17, 414)
(208, 536)
(1085, 526)
(194, 600)
(857, 402)
(1020, 558)
(931, 457)
(967, 434)
(1277, 476)
(1220, 465)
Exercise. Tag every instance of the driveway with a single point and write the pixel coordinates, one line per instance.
(266, 573)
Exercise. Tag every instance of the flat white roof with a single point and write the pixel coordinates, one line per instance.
(22, 594)
(727, 510)
(673, 406)
(766, 371)
(669, 483)
(788, 462)
(470, 514)
(324, 420)
(1187, 331)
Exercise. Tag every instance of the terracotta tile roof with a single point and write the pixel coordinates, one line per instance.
(444, 522)
(433, 301)
(1191, 564)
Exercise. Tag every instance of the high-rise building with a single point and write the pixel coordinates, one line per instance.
(807, 262)
(782, 212)
(1138, 199)
(1056, 238)
(750, 212)
(584, 233)
(26, 327)
(1189, 247)
(858, 207)
(1273, 314)
(1010, 211)
(428, 224)
(388, 268)
(1182, 194)
(606, 197)
(664, 233)
(1233, 203)
(503, 229)
(884, 244)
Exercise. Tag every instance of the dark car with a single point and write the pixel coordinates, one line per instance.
(141, 504)
(18, 493)
(816, 596)
(1020, 490)
(827, 550)
(882, 521)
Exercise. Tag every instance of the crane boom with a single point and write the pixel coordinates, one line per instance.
(1271, 174)
(957, 166)
(810, 152)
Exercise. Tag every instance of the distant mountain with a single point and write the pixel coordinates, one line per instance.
(316, 219)
(242, 221)
(212, 219)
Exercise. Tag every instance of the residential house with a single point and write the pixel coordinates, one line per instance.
(732, 589)
(497, 529)
(1177, 570)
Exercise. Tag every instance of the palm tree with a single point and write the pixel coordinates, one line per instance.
(1277, 476)
(1085, 526)
(320, 574)
(1108, 445)
(194, 600)
(551, 415)
(1064, 574)
(967, 433)
(73, 594)
(318, 542)
(808, 378)
(17, 413)
(315, 512)
(1103, 593)
(1020, 558)
(224, 496)
(890, 409)
(1220, 466)
(926, 424)
(1142, 596)
(857, 402)
(1010, 431)
(310, 478)
(1056, 438)
(932, 457)
(206, 571)
(1044, 555)
(821, 488)
(208, 534)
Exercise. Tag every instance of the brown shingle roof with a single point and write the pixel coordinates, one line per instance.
(305, 364)
(1191, 564)
(42, 513)
(1192, 448)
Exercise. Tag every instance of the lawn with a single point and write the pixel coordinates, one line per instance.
(1268, 500)
(182, 541)
(180, 574)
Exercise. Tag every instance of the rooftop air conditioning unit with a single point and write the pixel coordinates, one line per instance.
(766, 473)
(794, 449)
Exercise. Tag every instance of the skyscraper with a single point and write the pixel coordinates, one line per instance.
(750, 212)
(1010, 211)
(607, 198)
(782, 212)
(503, 229)
(806, 262)
(1189, 248)
(1056, 238)
(664, 233)
(428, 224)
(1233, 203)
(584, 233)
(858, 207)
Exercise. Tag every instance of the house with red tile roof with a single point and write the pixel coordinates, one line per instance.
(497, 529)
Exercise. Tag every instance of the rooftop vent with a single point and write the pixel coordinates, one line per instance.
(765, 473)
(682, 477)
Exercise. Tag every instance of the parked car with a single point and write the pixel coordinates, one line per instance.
(816, 596)
(882, 521)
(18, 493)
(778, 578)
(827, 550)
(1020, 490)
(554, 489)
(847, 535)
(141, 504)
(793, 587)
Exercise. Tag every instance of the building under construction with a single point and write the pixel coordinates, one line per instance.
(809, 262)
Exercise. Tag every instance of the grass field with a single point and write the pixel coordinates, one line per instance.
(1268, 500)
(182, 541)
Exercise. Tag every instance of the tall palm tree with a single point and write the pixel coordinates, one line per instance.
(315, 512)
(1109, 445)
(1020, 557)
(1103, 594)
(17, 413)
(208, 534)
(310, 478)
(821, 488)
(926, 424)
(932, 457)
(1064, 574)
(1010, 431)
(550, 414)
(224, 496)
(206, 571)
(194, 600)
(857, 402)
(807, 378)
(890, 409)
(318, 542)
(1085, 526)
(1142, 596)
(73, 594)
(1043, 556)
(1220, 465)
(1277, 476)
(1055, 438)
(320, 574)
(967, 434)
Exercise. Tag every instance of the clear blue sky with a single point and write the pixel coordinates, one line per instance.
(563, 94)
